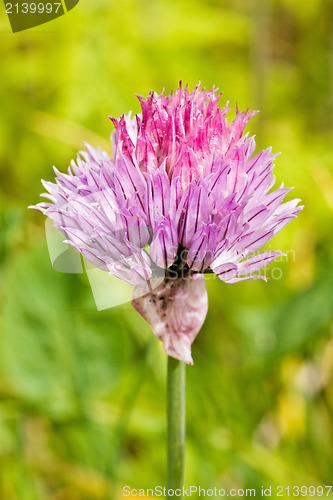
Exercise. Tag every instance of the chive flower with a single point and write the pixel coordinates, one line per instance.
(183, 195)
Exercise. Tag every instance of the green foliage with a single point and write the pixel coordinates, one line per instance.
(82, 392)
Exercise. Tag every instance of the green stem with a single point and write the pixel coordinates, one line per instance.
(176, 423)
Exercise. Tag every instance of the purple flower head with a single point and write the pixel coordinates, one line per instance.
(183, 182)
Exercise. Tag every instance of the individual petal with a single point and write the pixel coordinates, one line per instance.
(164, 246)
(283, 215)
(125, 136)
(200, 253)
(134, 269)
(274, 199)
(238, 125)
(128, 181)
(192, 212)
(257, 215)
(250, 242)
(261, 161)
(257, 262)
(238, 280)
(226, 271)
(138, 233)
(161, 192)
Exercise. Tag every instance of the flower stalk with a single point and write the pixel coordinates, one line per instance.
(176, 422)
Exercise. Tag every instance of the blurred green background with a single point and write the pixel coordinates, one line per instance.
(82, 392)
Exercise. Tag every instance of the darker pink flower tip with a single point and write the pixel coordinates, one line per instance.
(181, 179)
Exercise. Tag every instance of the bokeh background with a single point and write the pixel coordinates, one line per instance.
(82, 392)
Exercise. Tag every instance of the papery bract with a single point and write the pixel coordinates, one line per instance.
(176, 311)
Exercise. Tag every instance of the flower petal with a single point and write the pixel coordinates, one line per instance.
(257, 262)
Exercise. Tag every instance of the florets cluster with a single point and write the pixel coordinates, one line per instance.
(182, 192)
